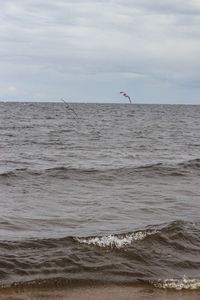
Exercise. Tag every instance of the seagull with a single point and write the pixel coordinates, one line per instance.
(127, 96)
(70, 108)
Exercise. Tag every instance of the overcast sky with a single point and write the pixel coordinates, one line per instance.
(90, 50)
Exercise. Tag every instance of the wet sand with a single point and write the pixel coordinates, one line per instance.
(99, 293)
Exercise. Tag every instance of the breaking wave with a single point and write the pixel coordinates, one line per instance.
(116, 241)
(151, 256)
(178, 284)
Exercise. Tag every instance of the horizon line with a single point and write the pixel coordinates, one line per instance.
(98, 102)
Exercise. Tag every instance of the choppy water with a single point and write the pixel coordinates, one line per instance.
(112, 196)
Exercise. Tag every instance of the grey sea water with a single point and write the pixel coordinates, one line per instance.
(112, 195)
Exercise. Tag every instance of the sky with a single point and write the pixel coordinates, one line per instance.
(90, 50)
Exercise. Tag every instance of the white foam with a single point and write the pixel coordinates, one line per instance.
(178, 284)
(115, 241)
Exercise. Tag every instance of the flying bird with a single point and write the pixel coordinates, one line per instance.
(127, 96)
(70, 108)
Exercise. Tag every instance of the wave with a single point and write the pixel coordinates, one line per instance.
(177, 169)
(151, 255)
(116, 241)
(178, 284)
(191, 164)
(174, 232)
(19, 172)
(58, 282)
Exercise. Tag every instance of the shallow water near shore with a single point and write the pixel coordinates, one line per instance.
(109, 197)
(99, 292)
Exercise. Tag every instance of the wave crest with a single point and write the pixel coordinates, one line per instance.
(66, 172)
(178, 284)
(193, 164)
(115, 241)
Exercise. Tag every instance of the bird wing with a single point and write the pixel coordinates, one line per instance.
(69, 107)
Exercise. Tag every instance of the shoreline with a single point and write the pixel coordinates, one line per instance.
(106, 292)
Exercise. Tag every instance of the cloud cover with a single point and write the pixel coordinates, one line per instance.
(90, 50)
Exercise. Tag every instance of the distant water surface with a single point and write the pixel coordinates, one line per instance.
(110, 196)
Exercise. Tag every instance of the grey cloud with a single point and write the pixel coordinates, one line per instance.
(141, 41)
(165, 7)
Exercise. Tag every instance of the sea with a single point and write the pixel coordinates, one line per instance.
(99, 194)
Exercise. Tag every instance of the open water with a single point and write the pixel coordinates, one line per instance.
(110, 196)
